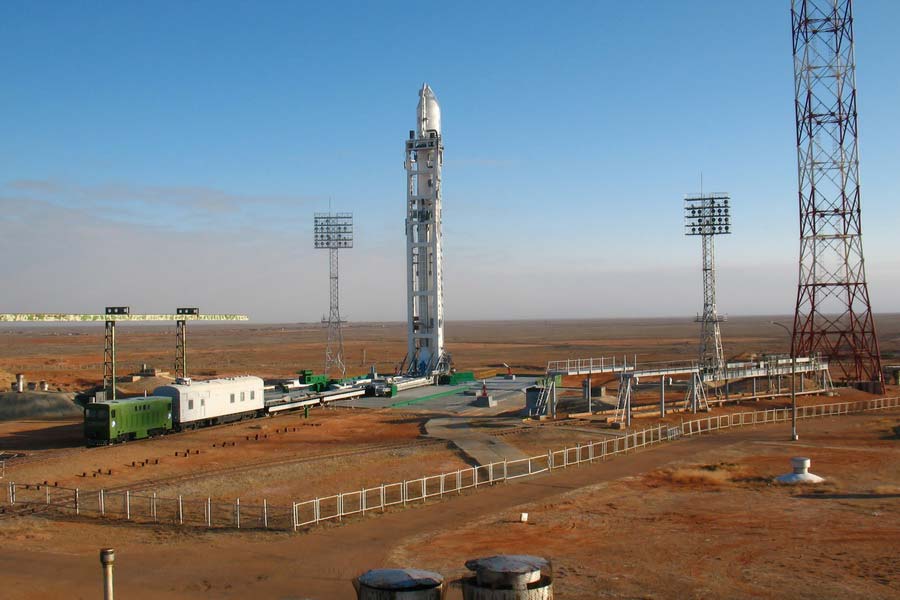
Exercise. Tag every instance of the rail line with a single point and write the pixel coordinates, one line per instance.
(356, 451)
(23, 458)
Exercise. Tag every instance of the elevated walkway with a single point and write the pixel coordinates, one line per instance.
(699, 376)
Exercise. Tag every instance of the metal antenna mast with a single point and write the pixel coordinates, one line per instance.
(833, 315)
(709, 215)
(332, 232)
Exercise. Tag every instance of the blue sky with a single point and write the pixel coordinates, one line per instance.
(168, 154)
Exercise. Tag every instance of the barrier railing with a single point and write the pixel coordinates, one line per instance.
(204, 512)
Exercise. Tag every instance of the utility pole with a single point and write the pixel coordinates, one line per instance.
(794, 435)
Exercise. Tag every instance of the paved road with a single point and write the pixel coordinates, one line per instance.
(321, 563)
(481, 447)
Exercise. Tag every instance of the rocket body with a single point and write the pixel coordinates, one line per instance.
(425, 295)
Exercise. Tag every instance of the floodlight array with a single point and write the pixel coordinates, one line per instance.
(333, 230)
(707, 214)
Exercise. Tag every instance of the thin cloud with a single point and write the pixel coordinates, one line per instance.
(180, 207)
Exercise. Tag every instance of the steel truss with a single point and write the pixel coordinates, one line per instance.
(334, 231)
(708, 215)
(833, 314)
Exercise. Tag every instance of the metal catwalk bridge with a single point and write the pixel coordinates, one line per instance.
(630, 374)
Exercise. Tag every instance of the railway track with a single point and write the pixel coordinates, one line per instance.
(23, 458)
(264, 464)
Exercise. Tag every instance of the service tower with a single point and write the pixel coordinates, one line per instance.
(424, 272)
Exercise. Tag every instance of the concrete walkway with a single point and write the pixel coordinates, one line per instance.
(475, 442)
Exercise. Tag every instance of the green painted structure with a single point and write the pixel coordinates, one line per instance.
(457, 378)
(127, 419)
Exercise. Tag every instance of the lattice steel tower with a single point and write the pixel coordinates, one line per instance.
(709, 215)
(334, 231)
(833, 315)
(424, 254)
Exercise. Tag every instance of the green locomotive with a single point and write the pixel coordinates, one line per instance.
(127, 419)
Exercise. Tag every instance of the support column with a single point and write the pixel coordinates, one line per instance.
(662, 397)
(554, 398)
(109, 360)
(180, 348)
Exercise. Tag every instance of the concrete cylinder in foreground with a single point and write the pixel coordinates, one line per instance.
(508, 577)
(399, 584)
(107, 558)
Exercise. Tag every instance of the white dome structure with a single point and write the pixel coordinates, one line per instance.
(801, 472)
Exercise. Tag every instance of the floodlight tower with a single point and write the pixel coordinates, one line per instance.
(334, 231)
(833, 315)
(424, 254)
(708, 215)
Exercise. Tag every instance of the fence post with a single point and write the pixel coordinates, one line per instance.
(591, 452)
(294, 518)
(180, 511)
(362, 500)
(153, 506)
(317, 510)
(442, 485)
(504, 469)
(475, 475)
(491, 473)
(127, 505)
(208, 511)
(550, 460)
(77, 507)
(265, 514)
(403, 492)
(100, 503)
(458, 482)
(237, 512)
(47, 493)
(382, 497)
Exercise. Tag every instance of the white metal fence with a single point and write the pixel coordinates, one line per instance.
(206, 513)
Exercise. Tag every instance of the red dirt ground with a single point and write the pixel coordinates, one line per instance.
(697, 518)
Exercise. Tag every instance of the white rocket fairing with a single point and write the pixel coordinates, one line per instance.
(425, 294)
(428, 112)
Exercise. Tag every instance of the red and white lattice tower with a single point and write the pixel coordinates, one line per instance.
(833, 315)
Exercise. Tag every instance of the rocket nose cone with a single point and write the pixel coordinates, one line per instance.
(429, 111)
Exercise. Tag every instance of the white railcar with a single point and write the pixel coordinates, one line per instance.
(202, 403)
